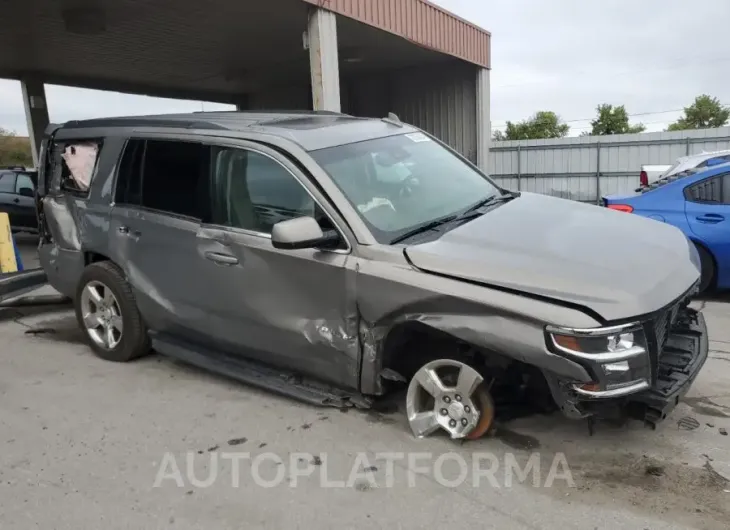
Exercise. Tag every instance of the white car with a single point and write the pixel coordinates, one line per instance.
(683, 164)
(651, 173)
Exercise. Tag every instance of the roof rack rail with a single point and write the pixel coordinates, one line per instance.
(393, 119)
(145, 122)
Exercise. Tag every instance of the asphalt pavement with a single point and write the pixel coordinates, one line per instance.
(86, 443)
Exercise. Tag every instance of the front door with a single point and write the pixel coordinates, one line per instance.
(707, 208)
(293, 308)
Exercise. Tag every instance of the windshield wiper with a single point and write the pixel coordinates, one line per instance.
(489, 201)
(424, 228)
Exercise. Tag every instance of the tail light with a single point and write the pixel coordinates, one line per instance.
(643, 178)
(621, 207)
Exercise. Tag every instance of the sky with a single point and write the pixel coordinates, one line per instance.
(566, 56)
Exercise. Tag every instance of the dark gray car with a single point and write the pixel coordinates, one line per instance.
(17, 198)
(337, 259)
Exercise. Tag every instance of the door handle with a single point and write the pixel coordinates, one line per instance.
(125, 231)
(224, 259)
(710, 218)
(16, 200)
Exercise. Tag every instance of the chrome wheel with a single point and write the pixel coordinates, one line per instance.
(101, 315)
(442, 395)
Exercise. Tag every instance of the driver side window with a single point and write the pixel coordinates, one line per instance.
(254, 192)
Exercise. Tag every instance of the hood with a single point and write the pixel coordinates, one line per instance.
(619, 265)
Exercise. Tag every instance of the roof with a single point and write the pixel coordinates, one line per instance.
(421, 22)
(311, 129)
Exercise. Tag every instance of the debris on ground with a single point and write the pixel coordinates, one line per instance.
(688, 423)
(657, 471)
(40, 331)
(237, 441)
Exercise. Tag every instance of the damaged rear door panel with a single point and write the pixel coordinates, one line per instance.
(74, 216)
(152, 235)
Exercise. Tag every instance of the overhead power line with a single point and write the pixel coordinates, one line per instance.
(574, 120)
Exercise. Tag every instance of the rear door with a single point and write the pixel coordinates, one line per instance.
(707, 208)
(161, 198)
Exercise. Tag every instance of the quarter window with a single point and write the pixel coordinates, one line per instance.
(714, 190)
(78, 166)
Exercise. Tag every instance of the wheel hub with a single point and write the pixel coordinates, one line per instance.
(101, 315)
(432, 404)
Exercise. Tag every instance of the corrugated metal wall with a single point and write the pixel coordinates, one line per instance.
(443, 104)
(421, 22)
(569, 167)
(441, 100)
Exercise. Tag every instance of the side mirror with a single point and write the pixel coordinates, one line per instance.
(302, 232)
(26, 192)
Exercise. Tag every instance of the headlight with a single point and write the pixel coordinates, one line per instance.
(613, 343)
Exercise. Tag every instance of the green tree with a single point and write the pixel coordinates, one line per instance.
(704, 113)
(544, 124)
(613, 120)
(14, 149)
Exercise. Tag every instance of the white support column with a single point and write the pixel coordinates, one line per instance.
(484, 122)
(323, 60)
(36, 113)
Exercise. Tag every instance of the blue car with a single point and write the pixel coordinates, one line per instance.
(698, 203)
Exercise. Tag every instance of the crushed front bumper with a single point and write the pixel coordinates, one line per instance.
(657, 381)
(680, 362)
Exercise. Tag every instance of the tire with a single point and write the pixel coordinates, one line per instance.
(129, 343)
(707, 266)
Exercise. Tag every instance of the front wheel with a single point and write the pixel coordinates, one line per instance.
(106, 310)
(449, 395)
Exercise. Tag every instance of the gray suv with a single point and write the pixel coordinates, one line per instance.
(338, 259)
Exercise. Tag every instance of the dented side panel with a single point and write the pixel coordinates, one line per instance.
(295, 309)
(76, 222)
(390, 292)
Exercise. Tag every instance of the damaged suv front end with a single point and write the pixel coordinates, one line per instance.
(646, 365)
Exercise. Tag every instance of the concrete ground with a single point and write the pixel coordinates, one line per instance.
(86, 443)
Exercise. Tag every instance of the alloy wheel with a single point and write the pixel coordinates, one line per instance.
(102, 315)
(448, 395)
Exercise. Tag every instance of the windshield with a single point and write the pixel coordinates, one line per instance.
(400, 182)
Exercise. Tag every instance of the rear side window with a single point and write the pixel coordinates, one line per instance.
(79, 160)
(715, 190)
(165, 175)
(7, 182)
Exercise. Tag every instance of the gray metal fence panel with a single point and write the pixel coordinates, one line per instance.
(588, 167)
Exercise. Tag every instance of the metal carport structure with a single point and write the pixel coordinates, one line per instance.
(363, 57)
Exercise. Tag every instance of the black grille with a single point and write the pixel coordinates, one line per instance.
(658, 332)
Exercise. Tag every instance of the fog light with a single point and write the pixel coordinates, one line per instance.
(616, 368)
